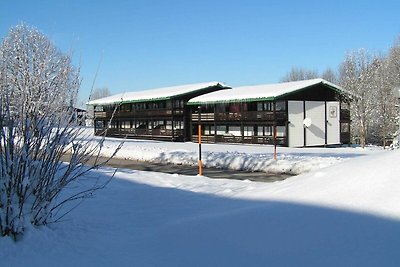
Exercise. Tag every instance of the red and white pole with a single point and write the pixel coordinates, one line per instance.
(199, 134)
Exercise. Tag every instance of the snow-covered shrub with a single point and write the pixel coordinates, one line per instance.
(38, 87)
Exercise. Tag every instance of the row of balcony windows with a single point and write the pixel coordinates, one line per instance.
(155, 105)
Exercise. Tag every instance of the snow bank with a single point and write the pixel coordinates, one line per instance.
(354, 185)
(232, 156)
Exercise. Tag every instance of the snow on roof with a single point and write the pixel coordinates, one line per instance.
(259, 92)
(155, 94)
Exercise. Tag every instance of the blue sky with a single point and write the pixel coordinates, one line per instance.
(148, 44)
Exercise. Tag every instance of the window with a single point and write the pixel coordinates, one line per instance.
(169, 125)
(268, 106)
(248, 131)
(280, 131)
(206, 130)
(344, 105)
(139, 106)
(265, 106)
(178, 104)
(99, 108)
(125, 124)
(178, 125)
(161, 104)
(234, 130)
(114, 124)
(126, 107)
(345, 127)
(221, 130)
(260, 106)
(109, 108)
(99, 124)
(234, 108)
(280, 105)
(158, 124)
(141, 125)
(264, 130)
(221, 108)
(252, 106)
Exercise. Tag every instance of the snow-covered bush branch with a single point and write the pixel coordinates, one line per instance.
(38, 89)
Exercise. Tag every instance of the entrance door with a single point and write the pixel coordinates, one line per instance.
(315, 133)
(333, 123)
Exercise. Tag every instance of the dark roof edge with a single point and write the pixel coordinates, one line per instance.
(221, 86)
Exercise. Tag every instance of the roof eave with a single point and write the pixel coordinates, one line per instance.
(246, 100)
(326, 83)
(221, 86)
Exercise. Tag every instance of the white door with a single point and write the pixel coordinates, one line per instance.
(333, 122)
(315, 133)
(296, 117)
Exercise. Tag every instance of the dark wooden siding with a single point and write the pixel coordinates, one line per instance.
(318, 92)
(173, 113)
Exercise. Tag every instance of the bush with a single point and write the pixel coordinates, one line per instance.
(38, 88)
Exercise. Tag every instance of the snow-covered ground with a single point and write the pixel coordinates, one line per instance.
(233, 156)
(344, 212)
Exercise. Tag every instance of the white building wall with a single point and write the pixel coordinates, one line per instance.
(295, 127)
(315, 133)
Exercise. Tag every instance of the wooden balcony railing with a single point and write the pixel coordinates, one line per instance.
(203, 116)
(239, 139)
(140, 132)
(139, 113)
(239, 116)
(102, 114)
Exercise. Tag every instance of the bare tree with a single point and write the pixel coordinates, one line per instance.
(38, 87)
(330, 75)
(385, 116)
(391, 81)
(95, 94)
(394, 62)
(299, 74)
(99, 93)
(356, 75)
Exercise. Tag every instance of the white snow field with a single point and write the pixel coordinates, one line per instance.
(344, 212)
(232, 156)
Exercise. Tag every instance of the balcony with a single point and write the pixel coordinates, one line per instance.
(141, 133)
(241, 116)
(139, 113)
(281, 141)
(204, 116)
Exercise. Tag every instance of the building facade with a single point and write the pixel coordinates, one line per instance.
(295, 114)
(159, 114)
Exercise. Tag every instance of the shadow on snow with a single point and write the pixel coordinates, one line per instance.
(133, 224)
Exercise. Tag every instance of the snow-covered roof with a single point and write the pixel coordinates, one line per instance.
(156, 94)
(259, 92)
